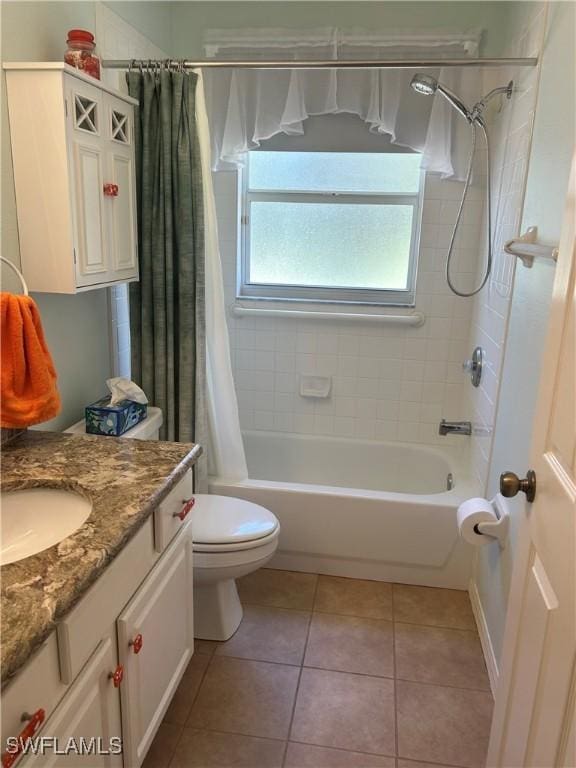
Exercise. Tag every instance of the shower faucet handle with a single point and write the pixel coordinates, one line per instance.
(474, 366)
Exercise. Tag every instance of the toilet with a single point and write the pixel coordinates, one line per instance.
(231, 538)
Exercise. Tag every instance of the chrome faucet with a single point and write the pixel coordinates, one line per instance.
(455, 427)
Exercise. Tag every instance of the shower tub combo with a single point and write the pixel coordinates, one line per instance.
(362, 509)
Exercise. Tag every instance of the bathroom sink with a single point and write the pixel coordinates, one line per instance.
(37, 518)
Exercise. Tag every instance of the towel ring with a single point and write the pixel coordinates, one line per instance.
(20, 275)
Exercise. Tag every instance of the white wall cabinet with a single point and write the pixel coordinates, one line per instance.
(73, 153)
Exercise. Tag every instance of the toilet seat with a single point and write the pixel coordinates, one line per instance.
(225, 524)
(239, 547)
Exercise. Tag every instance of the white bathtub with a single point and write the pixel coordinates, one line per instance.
(360, 508)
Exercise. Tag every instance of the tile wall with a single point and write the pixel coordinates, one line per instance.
(388, 383)
(510, 131)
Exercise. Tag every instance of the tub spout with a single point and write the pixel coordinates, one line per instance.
(455, 427)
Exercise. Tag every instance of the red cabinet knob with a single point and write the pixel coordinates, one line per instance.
(188, 504)
(34, 722)
(117, 676)
(111, 190)
(136, 644)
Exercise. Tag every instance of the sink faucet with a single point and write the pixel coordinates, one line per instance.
(455, 427)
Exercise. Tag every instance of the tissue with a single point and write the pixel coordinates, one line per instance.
(124, 389)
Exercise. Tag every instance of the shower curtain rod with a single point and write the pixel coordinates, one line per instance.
(323, 64)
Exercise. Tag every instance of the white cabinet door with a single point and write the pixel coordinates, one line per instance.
(88, 719)
(86, 115)
(155, 644)
(120, 207)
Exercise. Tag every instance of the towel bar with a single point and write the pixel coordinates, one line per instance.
(15, 269)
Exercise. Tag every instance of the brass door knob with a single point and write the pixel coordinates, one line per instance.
(510, 484)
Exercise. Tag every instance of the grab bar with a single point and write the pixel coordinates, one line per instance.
(415, 319)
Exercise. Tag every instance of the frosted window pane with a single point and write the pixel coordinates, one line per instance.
(335, 172)
(330, 245)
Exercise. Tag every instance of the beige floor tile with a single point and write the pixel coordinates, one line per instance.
(269, 634)
(354, 597)
(278, 589)
(253, 698)
(163, 746)
(351, 644)
(443, 725)
(207, 749)
(443, 656)
(433, 607)
(353, 712)
(205, 647)
(181, 704)
(307, 756)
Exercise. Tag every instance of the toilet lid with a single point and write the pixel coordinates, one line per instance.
(227, 520)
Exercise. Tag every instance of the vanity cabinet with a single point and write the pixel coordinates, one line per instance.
(90, 710)
(114, 663)
(156, 642)
(74, 174)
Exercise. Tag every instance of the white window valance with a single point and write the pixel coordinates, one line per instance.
(248, 106)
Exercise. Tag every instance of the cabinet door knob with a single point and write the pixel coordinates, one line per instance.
(117, 676)
(111, 190)
(34, 723)
(137, 643)
(188, 504)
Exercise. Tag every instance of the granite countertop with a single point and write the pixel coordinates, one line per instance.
(125, 480)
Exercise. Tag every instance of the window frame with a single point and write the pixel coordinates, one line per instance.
(322, 294)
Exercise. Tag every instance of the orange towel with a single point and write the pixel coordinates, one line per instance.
(28, 377)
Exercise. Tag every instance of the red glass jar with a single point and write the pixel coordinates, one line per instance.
(80, 52)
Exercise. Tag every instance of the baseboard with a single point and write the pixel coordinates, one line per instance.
(487, 648)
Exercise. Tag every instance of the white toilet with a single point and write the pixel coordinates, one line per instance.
(232, 537)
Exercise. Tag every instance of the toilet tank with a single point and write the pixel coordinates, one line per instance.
(149, 429)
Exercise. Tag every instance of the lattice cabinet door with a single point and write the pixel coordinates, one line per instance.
(89, 177)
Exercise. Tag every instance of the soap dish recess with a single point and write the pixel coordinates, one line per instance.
(315, 386)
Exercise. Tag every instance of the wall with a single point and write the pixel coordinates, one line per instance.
(389, 382)
(152, 19)
(510, 125)
(552, 147)
(76, 327)
(189, 20)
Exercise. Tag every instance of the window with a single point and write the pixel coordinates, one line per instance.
(330, 226)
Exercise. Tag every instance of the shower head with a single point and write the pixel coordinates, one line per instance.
(425, 84)
(428, 85)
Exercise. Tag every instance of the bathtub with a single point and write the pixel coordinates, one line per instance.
(361, 509)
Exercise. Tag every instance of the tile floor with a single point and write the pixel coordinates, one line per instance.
(327, 672)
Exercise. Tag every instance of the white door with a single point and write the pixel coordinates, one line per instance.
(120, 207)
(86, 120)
(533, 721)
(155, 644)
(87, 719)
